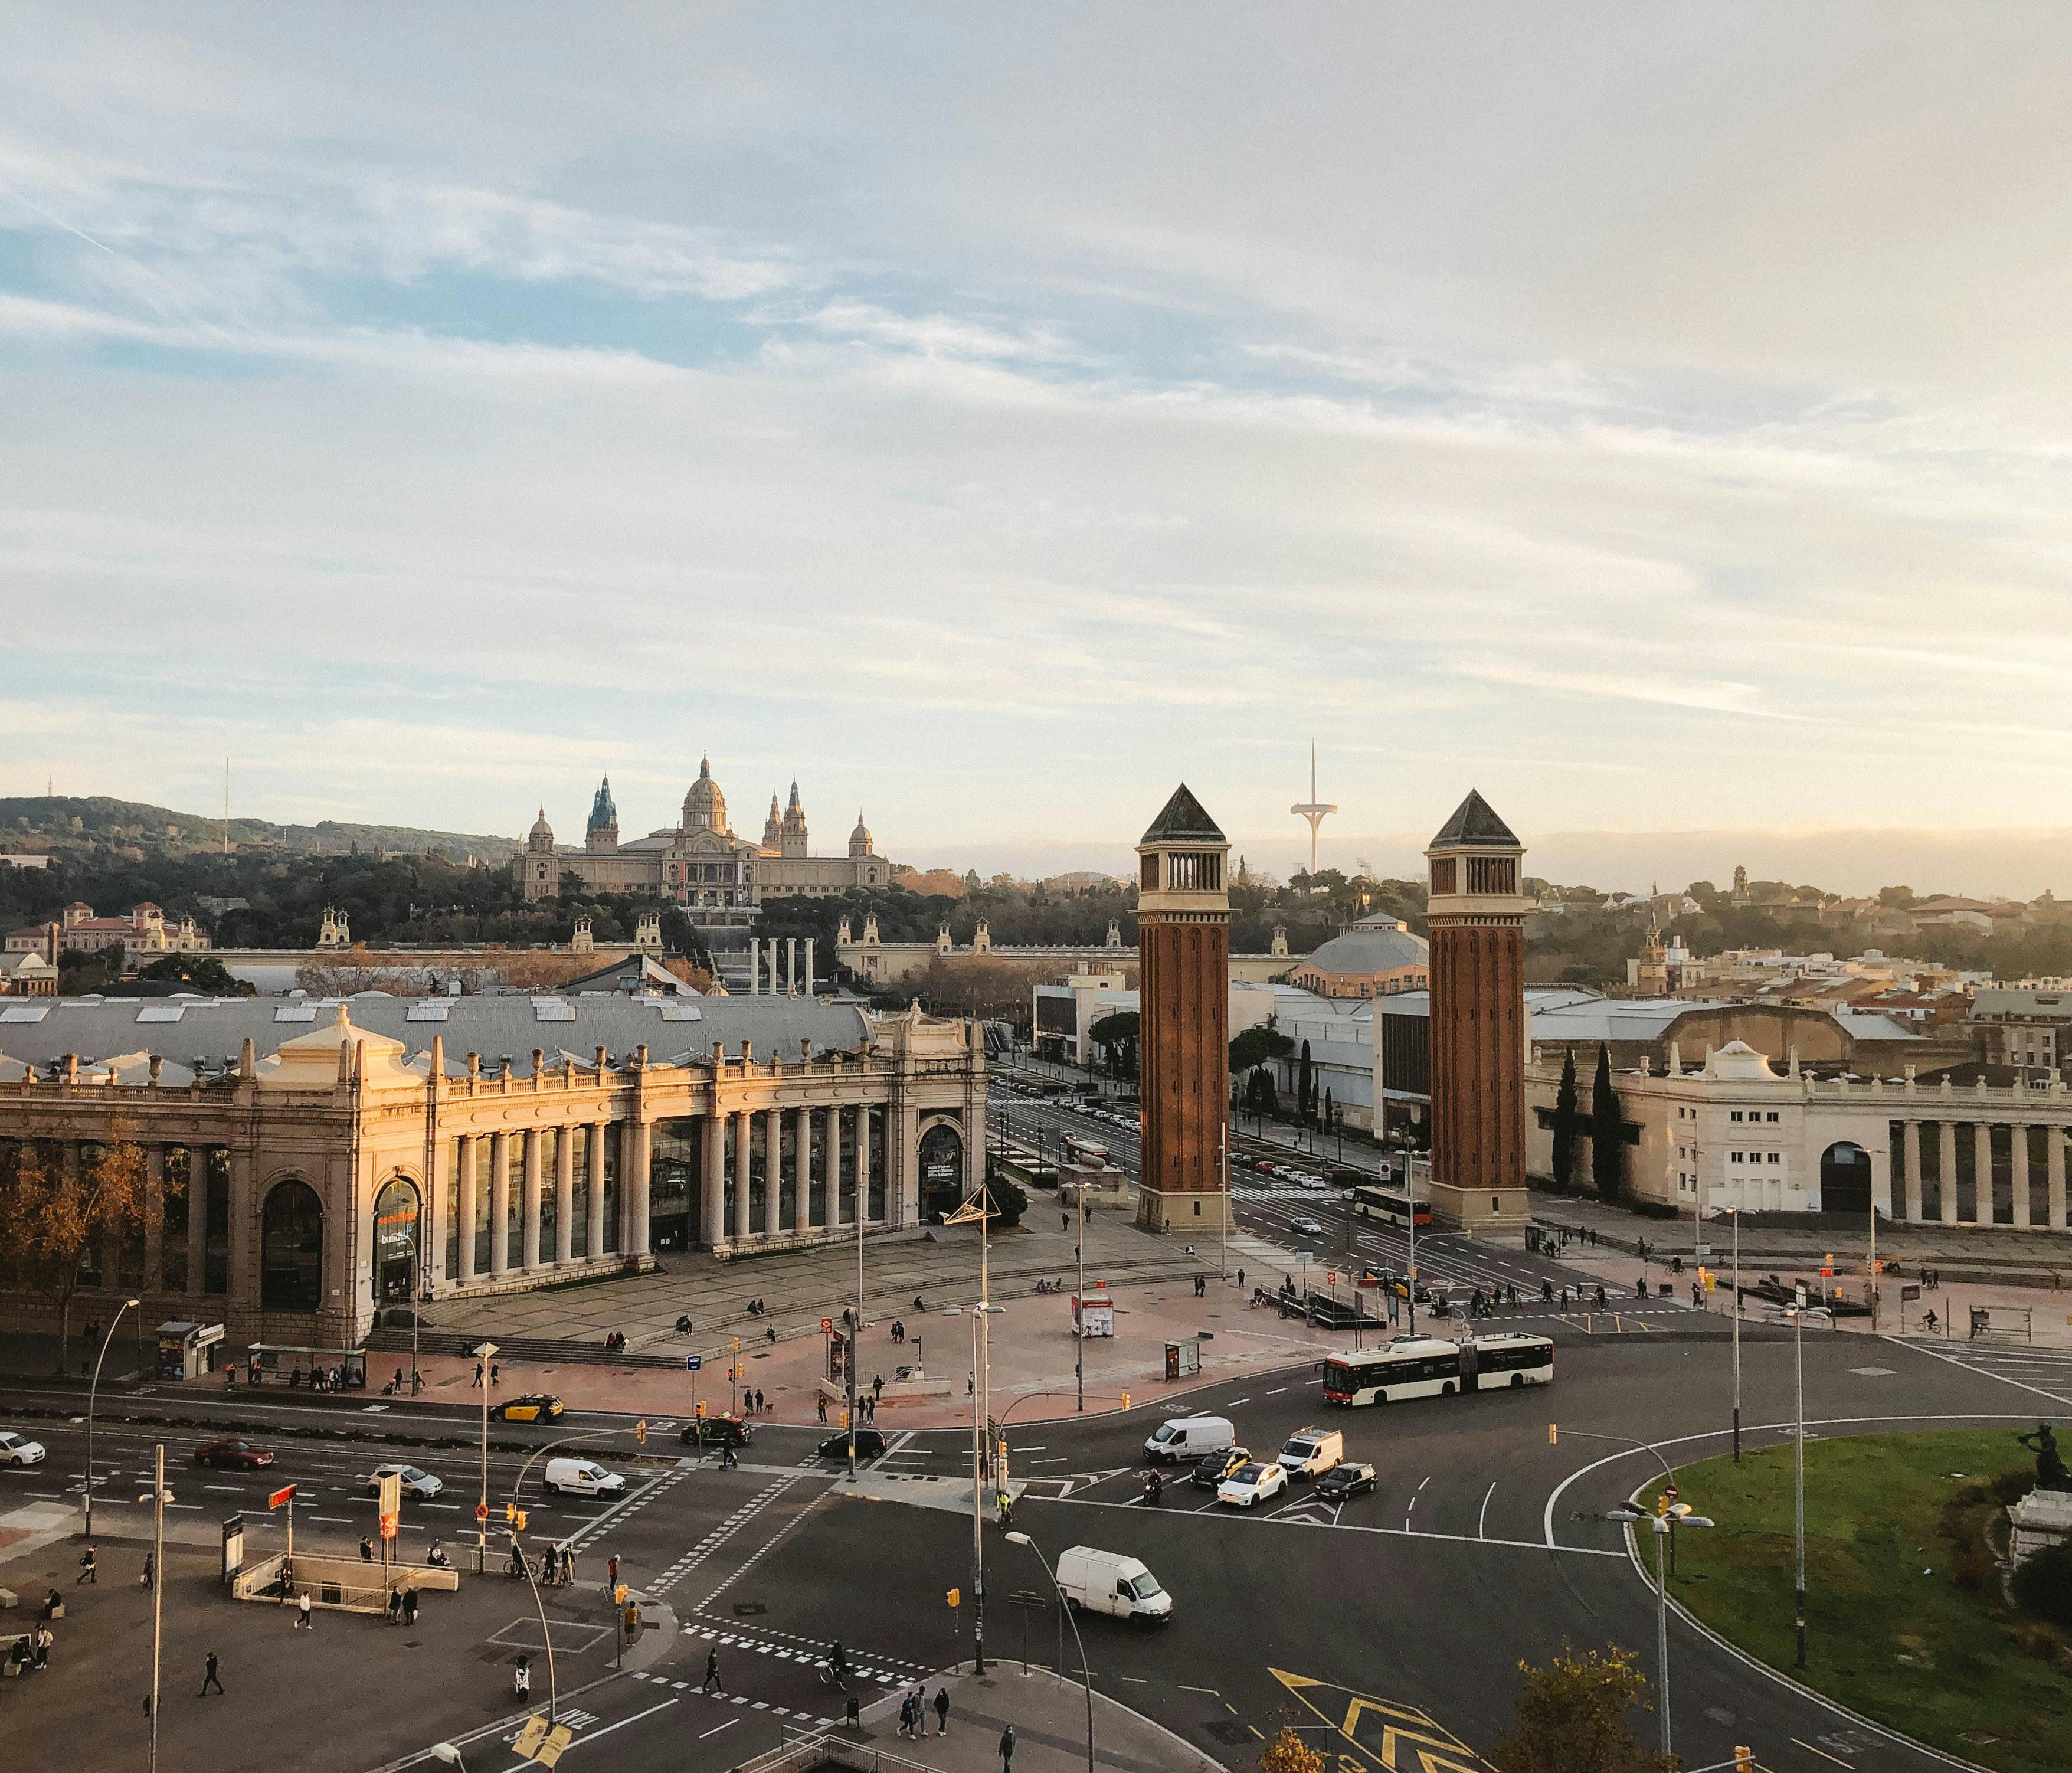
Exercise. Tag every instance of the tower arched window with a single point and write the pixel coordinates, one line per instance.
(291, 1249)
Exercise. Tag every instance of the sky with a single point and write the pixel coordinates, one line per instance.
(1656, 416)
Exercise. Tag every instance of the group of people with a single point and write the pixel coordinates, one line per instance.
(402, 1605)
(396, 1387)
(756, 1308)
(495, 1375)
(615, 1342)
(914, 1713)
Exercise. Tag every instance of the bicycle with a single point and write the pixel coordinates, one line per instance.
(831, 1677)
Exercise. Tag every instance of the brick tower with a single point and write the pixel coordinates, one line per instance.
(1183, 1002)
(1477, 915)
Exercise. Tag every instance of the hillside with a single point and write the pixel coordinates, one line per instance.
(98, 824)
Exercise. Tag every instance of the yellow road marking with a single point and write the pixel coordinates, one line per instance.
(1823, 1754)
(1436, 1750)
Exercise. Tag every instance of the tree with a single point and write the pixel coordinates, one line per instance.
(1261, 1097)
(1607, 1131)
(201, 972)
(1305, 1099)
(1008, 1201)
(1571, 1717)
(1288, 1753)
(1330, 1112)
(1565, 1119)
(1116, 1036)
(1259, 1046)
(52, 1213)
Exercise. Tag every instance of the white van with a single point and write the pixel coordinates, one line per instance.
(1311, 1452)
(1109, 1582)
(581, 1478)
(1189, 1437)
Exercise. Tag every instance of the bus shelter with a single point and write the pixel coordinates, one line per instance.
(282, 1364)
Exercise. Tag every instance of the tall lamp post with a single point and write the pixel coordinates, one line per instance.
(1087, 1673)
(484, 1353)
(1799, 1314)
(1735, 1213)
(1662, 1524)
(92, 1392)
(160, 1495)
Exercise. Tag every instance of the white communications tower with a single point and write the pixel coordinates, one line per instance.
(1315, 811)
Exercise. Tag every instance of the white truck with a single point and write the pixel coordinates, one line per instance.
(1189, 1437)
(1100, 1581)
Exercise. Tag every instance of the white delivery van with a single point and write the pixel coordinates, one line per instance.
(1311, 1452)
(1189, 1437)
(581, 1478)
(1109, 1582)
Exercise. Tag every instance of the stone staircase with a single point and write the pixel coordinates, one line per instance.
(529, 1350)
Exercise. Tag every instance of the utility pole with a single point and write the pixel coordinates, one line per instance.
(484, 1353)
(1079, 1304)
(158, 1588)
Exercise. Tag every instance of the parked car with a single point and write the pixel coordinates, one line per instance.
(532, 1407)
(869, 1445)
(418, 1485)
(1211, 1471)
(581, 1478)
(1108, 1582)
(1344, 1481)
(19, 1450)
(233, 1455)
(721, 1430)
(1250, 1484)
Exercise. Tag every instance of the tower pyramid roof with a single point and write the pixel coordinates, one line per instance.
(1475, 824)
(1183, 817)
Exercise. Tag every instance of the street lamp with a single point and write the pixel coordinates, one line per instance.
(1799, 1314)
(981, 1349)
(484, 1353)
(446, 1752)
(1087, 1673)
(1735, 1213)
(1662, 1523)
(160, 1495)
(91, 1392)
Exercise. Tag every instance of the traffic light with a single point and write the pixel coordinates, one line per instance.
(520, 1522)
(640, 1431)
(1744, 1759)
(701, 1410)
(954, 1596)
(510, 1512)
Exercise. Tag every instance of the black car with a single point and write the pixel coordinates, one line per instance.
(869, 1444)
(1344, 1480)
(716, 1431)
(1217, 1467)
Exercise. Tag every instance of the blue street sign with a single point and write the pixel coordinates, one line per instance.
(693, 1363)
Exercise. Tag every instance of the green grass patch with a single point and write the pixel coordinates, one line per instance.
(1906, 1621)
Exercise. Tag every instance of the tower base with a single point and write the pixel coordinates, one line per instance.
(1498, 1215)
(1184, 1211)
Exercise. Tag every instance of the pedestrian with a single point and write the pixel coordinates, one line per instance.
(1240, 1280)
(820, 1404)
(712, 1672)
(88, 1570)
(44, 1640)
(409, 1607)
(876, 1384)
(1064, 1222)
(521, 1679)
(395, 1606)
(151, 1570)
(366, 1549)
(1007, 1749)
(302, 1613)
(210, 1677)
(495, 1375)
(942, 1711)
(906, 1716)
(477, 1385)
(611, 1574)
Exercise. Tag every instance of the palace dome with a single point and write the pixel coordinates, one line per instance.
(859, 839)
(704, 807)
(542, 837)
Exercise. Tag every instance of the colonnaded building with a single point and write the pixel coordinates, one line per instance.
(716, 877)
(310, 1162)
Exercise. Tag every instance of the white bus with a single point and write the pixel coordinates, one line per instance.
(1428, 1366)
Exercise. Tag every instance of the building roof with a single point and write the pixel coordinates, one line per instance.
(213, 1028)
(1474, 825)
(1375, 944)
(1183, 818)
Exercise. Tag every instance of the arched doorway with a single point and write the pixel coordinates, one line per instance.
(291, 1249)
(942, 1170)
(1845, 1178)
(395, 1241)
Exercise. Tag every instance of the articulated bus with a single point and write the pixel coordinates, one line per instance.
(1392, 1204)
(1429, 1367)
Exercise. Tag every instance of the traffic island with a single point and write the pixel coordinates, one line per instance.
(1909, 1623)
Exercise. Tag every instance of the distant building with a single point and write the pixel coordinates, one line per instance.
(1376, 958)
(27, 974)
(879, 962)
(144, 934)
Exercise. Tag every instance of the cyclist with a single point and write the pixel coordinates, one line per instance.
(838, 1666)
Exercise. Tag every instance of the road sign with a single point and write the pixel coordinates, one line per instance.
(558, 1738)
(531, 1734)
(693, 1363)
(827, 1326)
(389, 1526)
(286, 1494)
(1669, 1490)
(391, 1494)
(482, 1510)
(1702, 1249)
(1331, 1276)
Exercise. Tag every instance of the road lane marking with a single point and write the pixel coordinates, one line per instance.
(718, 1728)
(1482, 1520)
(1823, 1753)
(1386, 1532)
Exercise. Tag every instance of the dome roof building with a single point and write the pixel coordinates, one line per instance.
(859, 840)
(1377, 956)
(704, 807)
(541, 836)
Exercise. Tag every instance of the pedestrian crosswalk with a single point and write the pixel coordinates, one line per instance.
(2045, 1373)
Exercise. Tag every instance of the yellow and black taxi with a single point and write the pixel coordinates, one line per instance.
(1210, 1473)
(719, 1429)
(532, 1407)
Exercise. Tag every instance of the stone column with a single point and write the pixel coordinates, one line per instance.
(743, 1125)
(1948, 1187)
(830, 1121)
(712, 1209)
(863, 1161)
(903, 1184)
(2018, 1172)
(564, 1199)
(529, 1185)
(635, 1186)
(499, 1204)
(467, 1208)
(154, 1221)
(244, 1231)
(1910, 1151)
(197, 1219)
(593, 1228)
(2054, 1175)
(1982, 1171)
(802, 1182)
(773, 1165)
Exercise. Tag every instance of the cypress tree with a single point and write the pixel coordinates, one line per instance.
(1607, 1131)
(1565, 1119)
(1305, 1102)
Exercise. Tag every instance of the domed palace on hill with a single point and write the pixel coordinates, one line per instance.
(717, 877)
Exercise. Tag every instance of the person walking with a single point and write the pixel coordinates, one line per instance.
(395, 1606)
(820, 1404)
(1240, 1280)
(151, 1570)
(942, 1711)
(302, 1620)
(521, 1680)
(366, 1549)
(1007, 1750)
(477, 1385)
(611, 1574)
(88, 1570)
(210, 1677)
(877, 1385)
(906, 1716)
(712, 1682)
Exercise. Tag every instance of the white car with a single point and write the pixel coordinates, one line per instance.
(19, 1450)
(1315, 1182)
(1305, 1227)
(419, 1486)
(1250, 1483)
